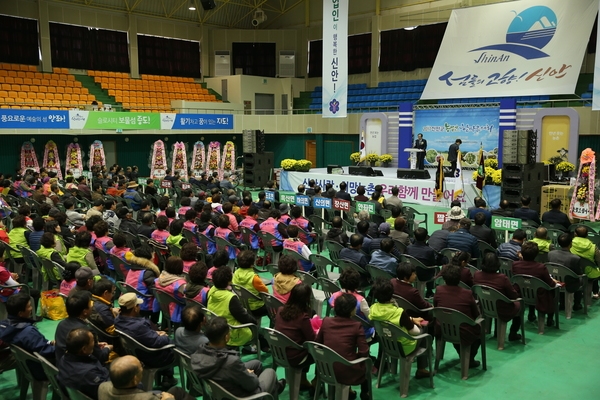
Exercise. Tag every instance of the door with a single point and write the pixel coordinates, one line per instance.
(264, 104)
(284, 104)
(310, 152)
(110, 152)
(224, 93)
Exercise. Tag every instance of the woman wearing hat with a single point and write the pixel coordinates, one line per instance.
(132, 194)
(453, 217)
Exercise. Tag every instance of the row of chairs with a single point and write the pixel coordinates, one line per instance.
(124, 75)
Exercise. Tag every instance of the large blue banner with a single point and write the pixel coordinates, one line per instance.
(34, 119)
(474, 126)
(196, 121)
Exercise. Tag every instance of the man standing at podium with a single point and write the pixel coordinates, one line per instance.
(421, 144)
(453, 154)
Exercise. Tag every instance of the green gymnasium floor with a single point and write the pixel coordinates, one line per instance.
(556, 365)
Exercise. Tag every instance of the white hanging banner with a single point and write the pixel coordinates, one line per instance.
(335, 58)
(516, 48)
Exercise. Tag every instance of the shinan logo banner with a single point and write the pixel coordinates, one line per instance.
(335, 58)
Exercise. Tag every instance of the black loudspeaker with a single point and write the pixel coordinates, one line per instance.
(407, 173)
(254, 161)
(208, 4)
(361, 170)
(257, 177)
(522, 176)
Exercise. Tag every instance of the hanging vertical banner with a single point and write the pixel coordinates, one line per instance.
(596, 91)
(335, 58)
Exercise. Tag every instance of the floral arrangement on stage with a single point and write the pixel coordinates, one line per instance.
(198, 160)
(372, 158)
(385, 158)
(74, 159)
(97, 158)
(179, 160)
(355, 157)
(565, 166)
(582, 200)
(214, 156)
(228, 160)
(158, 164)
(28, 158)
(51, 158)
(289, 164)
(493, 175)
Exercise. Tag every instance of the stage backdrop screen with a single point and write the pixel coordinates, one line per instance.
(515, 48)
(474, 126)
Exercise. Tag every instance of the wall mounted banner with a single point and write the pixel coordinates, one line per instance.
(34, 119)
(113, 120)
(335, 58)
(516, 48)
(476, 127)
(196, 121)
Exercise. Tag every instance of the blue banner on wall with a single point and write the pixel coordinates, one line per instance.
(474, 126)
(196, 121)
(34, 119)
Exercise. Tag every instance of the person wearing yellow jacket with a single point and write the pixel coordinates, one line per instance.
(245, 277)
(387, 310)
(585, 248)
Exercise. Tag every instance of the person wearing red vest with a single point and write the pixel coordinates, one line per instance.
(304, 224)
(141, 277)
(272, 226)
(197, 288)
(161, 233)
(224, 232)
(188, 254)
(119, 250)
(208, 229)
(293, 243)
(103, 241)
(227, 210)
(251, 223)
(171, 280)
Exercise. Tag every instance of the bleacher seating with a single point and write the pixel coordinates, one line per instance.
(23, 87)
(152, 92)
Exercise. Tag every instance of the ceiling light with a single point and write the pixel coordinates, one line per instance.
(192, 6)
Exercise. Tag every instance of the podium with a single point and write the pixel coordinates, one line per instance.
(413, 156)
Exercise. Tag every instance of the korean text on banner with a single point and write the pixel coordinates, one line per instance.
(196, 121)
(335, 58)
(524, 48)
(113, 120)
(34, 119)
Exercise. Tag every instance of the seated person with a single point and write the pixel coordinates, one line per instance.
(294, 243)
(207, 228)
(251, 222)
(125, 379)
(399, 233)
(353, 252)
(453, 296)
(142, 278)
(383, 258)
(223, 231)
(463, 240)
(489, 276)
(461, 260)
(337, 232)
(285, 280)
(564, 257)
(79, 308)
(555, 215)
(81, 251)
(528, 266)
(422, 251)
(346, 337)
(103, 314)
(512, 248)
(387, 310)
(403, 287)
(350, 281)
(245, 277)
(197, 288)
(176, 237)
(161, 233)
(298, 220)
(294, 321)
(146, 228)
(541, 239)
(19, 329)
(189, 336)
(104, 242)
(483, 232)
(48, 251)
(140, 329)
(216, 362)
(8, 278)
(220, 259)
(188, 254)
(171, 280)
(585, 248)
(78, 368)
(271, 225)
(225, 304)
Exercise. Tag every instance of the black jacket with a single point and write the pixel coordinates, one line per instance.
(84, 373)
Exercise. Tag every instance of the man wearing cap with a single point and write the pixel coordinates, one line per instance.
(384, 233)
(97, 209)
(84, 277)
(463, 240)
(130, 323)
(225, 182)
(132, 194)
(453, 217)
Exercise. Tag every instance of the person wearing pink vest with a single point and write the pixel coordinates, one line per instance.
(120, 242)
(293, 243)
(197, 288)
(285, 280)
(224, 232)
(190, 223)
(350, 281)
(227, 210)
(69, 280)
(208, 229)
(171, 280)
(103, 241)
(185, 206)
(188, 253)
(251, 223)
(271, 225)
(161, 234)
(285, 218)
(141, 277)
(304, 224)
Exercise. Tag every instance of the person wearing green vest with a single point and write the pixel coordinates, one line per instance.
(81, 251)
(54, 228)
(585, 248)
(19, 236)
(245, 277)
(176, 238)
(387, 310)
(48, 251)
(541, 238)
(224, 303)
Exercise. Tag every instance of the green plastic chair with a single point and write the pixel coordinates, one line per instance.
(528, 286)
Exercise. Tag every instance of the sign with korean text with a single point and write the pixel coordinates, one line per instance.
(196, 121)
(524, 48)
(141, 181)
(185, 186)
(270, 195)
(439, 217)
(166, 184)
(113, 120)
(581, 210)
(322, 202)
(335, 58)
(288, 198)
(302, 200)
(34, 119)
(341, 205)
(506, 224)
(369, 207)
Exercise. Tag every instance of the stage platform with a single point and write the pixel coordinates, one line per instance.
(420, 191)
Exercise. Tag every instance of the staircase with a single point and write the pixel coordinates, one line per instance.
(101, 95)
